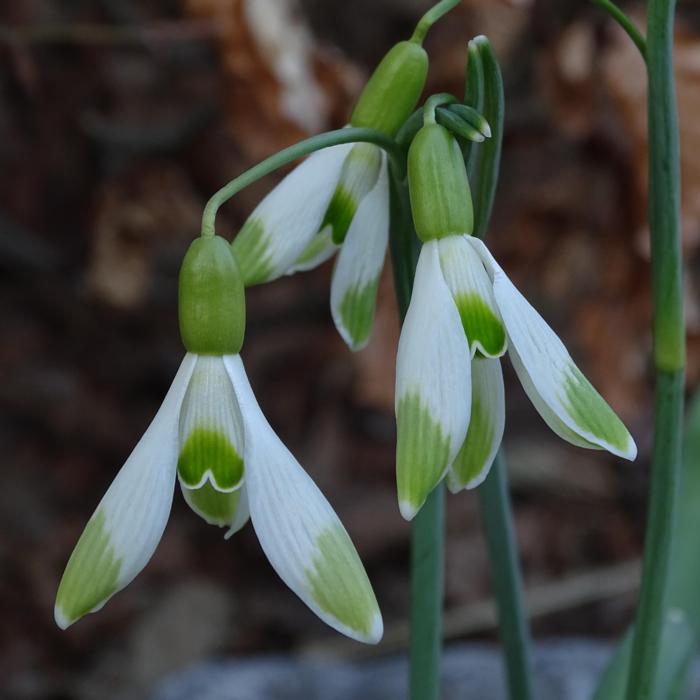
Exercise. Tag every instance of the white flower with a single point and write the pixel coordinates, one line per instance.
(211, 434)
(450, 410)
(337, 198)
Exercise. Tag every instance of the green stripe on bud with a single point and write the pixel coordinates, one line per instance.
(211, 299)
(358, 176)
(437, 178)
(393, 90)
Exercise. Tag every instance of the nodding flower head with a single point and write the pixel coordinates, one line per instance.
(464, 315)
(338, 198)
(211, 436)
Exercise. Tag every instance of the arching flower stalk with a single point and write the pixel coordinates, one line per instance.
(211, 435)
(464, 315)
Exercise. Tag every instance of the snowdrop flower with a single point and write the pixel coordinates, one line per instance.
(464, 315)
(338, 198)
(211, 435)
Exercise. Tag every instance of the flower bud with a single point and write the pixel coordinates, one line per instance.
(211, 299)
(437, 179)
(393, 90)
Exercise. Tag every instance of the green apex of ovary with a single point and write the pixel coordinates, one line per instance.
(393, 90)
(441, 200)
(211, 299)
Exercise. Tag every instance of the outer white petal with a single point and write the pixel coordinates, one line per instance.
(433, 385)
(127, 525)
(298, 529)
(473, 462)
(565, 399)
(282, 225)
(359, 265)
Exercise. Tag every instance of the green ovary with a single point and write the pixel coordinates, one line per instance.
(210, 450)
(357, 311)
(340, 213)
(590, 412)
(250, 248)
(422, 451)
(339, 584)
(215, 507)
(92, 573)
(471, 459)
(480, 324)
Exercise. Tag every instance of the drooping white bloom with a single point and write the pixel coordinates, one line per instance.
(464, 314)
(338, 198)
(211, 435)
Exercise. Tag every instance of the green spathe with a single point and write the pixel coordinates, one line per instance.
(392, 92)
(91, 575)
(215, 507)
(438, 185)
(591, 413)
(339, 584)
(483, 328)
(422, 453)
(211, 299)
(250, 248)
(207, 450)
(357, 311)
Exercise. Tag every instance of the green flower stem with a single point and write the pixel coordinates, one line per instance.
(427, 528)
(626, 23)
(497, 519)
(430, 17)
(290, 154)
(669, 346)
(433, 102)
(485, 93)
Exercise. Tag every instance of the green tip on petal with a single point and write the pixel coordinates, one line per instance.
(422, 454)
(251, 248)
(483, 328)
(340, 587)
(91, 576)
(357, 313)
(592, 415)
(216, 507)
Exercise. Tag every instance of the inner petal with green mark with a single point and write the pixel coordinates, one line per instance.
(224, 509)
(589, 411)
(357, 311)
(422, 453)
(91, 576)
(251, 247)
(472, 291)
(320, 248)
(211, 430)
(358, 176)
(339, 584)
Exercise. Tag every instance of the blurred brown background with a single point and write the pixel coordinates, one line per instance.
(118, 119)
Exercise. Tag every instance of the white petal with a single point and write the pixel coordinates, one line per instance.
(488, 417)
(282, 225)
(211, 430)
(359, 265)
(565, 399)
(127, 525)
(433, 385)
(473, 294)
(298, 529)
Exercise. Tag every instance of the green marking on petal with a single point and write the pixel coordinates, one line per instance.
(251, 250)
(215, 507)
(210, 450)
(481, 324)
(357, 311)
(321, 242)
(340, 213)
(91, 575)
(591, 413)
(471, 458)
(339, 584)
(422, 451)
